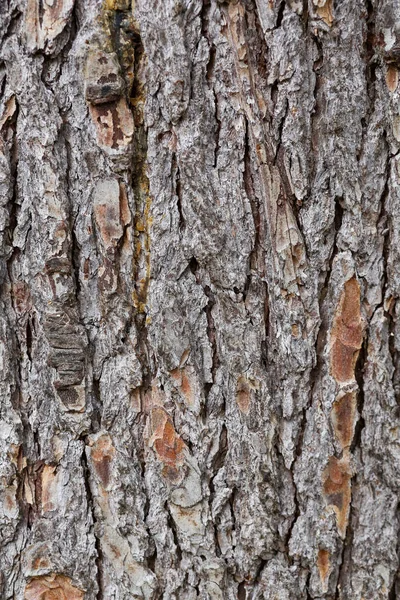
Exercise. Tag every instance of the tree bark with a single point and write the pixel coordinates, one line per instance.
(200, 280)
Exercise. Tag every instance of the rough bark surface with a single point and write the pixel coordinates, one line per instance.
(200, 282)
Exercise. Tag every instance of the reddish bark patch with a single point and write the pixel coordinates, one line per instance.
(169, 448)
(343, 417)
(40, 562)
(21, 296)
(86, 268)
(172, 474)
(125, 212)
(346, 333)
(10, 108)
(337, 489)
(52, 587)
(10, 500)
(324, 11)
(176, 374)
(167, 444)
(49, 497)
(243, 395)
(102, 453)
(324, 566)
(392, 78)
(245, 389)
(186, 386)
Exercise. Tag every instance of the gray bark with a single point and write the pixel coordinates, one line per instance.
(200, 281)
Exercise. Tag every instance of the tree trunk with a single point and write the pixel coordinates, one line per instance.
(200, 275)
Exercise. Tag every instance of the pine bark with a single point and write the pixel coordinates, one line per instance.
(200, 281)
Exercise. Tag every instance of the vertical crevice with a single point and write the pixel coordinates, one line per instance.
(281, 12)
(210, 68)
(97, 406)
(211, 330)
(359, 375)
(91, 509)
(29, 339)
(173, 529)
(217, 130)
(242, 594)
(176, 178)
(75, 262)
(254, 258)
(258, 574)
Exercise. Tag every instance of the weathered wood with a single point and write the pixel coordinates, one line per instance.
(200, 281)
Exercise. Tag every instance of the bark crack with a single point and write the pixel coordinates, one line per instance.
(91, 507)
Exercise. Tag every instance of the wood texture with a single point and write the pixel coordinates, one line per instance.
(200, 280)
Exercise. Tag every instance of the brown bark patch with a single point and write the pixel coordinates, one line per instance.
(125, 212)
(22, 297)
(245, 389)
(186, 386)
(324, 566)
(243, 393)
(343, 361)
(10, 502)
(53, 587)
(49, 488)
(346, 333)
(169, 448)
(392, 78)
(40, 562)
(102, 453)
(337, 489)
(114, 123)
(9, 111)
(167, 444)
(324, 10)
(173, 474)
(343, 417)
(44, 21)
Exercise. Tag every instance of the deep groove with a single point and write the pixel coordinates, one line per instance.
(90, 501)
(242, 595)
(217, 130)
(211, 330)
(29, 339)
(178, 190)
(359, 375)
(254, 258)
(356, 443)
(259, 573)
(259, 59)
(172, 527)
(96, 407)
(281, 12)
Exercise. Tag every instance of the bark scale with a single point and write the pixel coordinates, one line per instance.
(200, 275)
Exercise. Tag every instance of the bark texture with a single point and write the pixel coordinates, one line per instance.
(200, 281)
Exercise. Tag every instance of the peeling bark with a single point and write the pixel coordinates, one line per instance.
(200, 281)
